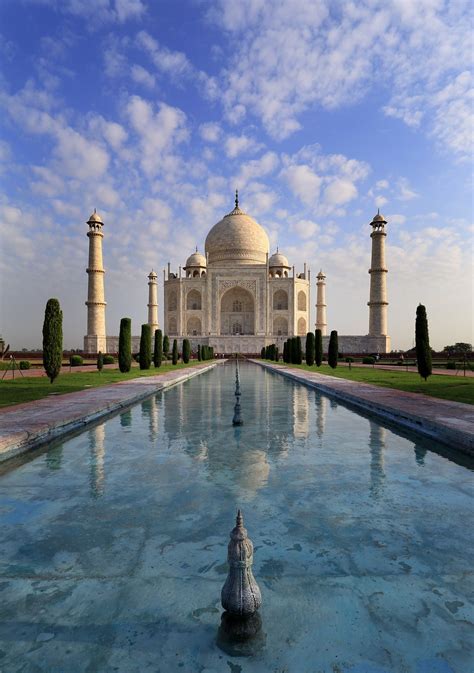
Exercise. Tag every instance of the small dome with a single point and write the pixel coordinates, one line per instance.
(152, 274)
(196, 259)
(321, 274)
(95, 217)
(278, 260)
(379, 218)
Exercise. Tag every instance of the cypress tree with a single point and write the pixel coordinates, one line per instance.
(175, 352)
(52, 339)
(290, 350)
(166, 347)
(100, 361)
(422, 343)
(186, 350)
(145, 347)
(125, 345)
(298, 353)
(277, 354)
(285, 351)
(318, 347)
(262, 353)
(199, 353)
(158, 349)
(333, 350)
(310, 349)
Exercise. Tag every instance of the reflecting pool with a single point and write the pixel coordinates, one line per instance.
(113, 543)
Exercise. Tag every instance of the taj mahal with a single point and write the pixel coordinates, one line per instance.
(237, 297)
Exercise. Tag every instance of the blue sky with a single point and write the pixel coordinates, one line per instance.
(154, 112)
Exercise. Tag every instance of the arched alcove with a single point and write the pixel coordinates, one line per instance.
(280, 300)
(237, 312)
(193, 301)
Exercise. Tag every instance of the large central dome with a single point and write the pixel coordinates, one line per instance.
(237, 239)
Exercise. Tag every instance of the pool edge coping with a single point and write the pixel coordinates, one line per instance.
(420, 423)
(14, 443)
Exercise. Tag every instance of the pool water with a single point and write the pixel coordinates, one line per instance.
(113, 543)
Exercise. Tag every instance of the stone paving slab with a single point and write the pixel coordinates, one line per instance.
(449, 422)
(27, 426)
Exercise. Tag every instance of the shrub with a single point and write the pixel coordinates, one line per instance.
(25, 364)
(422, 343)
(349, 359)
(166, 347)
(52, 339)
(310, 349)
(76, 360)
(333, 349)
(368, 360)
(400, 363)
(100, 361)
(125, 345)
(449, 365)
(158, 348)
(318, 347)
(109, 360)
(298, 356)
(136, 357)
(145, 347)
(186, 350)
(175, 353)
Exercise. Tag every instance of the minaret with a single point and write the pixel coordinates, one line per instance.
(95, 339)
(321, 303)
(378, 279)
(152, 301)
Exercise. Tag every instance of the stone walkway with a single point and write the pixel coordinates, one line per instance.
(448, 422)
(26, 426)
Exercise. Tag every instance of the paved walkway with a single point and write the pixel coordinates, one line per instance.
(449, 422)
(26, 426)
(409, 368)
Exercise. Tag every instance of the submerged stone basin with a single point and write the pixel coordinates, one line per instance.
(113, 543)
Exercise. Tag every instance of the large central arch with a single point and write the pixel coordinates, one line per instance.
(237, 312)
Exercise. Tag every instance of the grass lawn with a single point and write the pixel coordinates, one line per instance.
(34, 388)
(455, 388)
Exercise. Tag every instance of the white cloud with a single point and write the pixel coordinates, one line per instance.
(256, 169)
(304, 183)
(305, 228)
(289, 57)
(159, 133)
(126, 9)
(235, 145)
(210, 132)
(405, 192)
(174, 63)
(340, 191)
(142, 76)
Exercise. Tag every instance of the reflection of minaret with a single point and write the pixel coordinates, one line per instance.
(376, 445)
(321, 322)
(300, 411)
(321, 410)
(97, 456)
(153, 418)
(126, 418)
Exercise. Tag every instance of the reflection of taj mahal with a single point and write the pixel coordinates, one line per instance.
(236, 294)
(236, 297)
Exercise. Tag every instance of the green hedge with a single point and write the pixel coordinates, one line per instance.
(109, 360)
(76, 360)
(24, 364)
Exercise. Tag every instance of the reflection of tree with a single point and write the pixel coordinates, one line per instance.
(54, 457)
(126, 418)
(97, 457)
(420, 453)
(376, 446)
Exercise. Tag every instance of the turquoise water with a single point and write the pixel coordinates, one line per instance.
(113, 543)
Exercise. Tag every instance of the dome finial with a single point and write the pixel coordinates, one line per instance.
(378, 211)
(196, 248)
(236, 198)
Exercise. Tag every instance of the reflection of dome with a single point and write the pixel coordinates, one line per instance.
(278, 260)
(95, 217)
(237, 238)
(196, 259)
